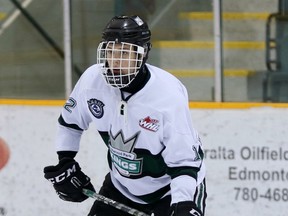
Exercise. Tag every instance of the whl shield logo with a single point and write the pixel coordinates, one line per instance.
(149, 124)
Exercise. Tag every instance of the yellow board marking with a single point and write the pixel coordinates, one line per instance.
(32, 102)
(209, 44)
(233, 105)
(192, 104)
(211, 73)
(225, 15)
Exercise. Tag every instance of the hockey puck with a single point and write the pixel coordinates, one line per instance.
(4, 153)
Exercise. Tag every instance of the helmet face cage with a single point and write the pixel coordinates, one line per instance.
(120, 62)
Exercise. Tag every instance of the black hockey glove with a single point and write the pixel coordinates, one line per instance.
(68, 180)
(186, 208)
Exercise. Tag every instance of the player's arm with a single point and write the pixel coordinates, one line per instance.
(183, 188)
(184, 175)
(67, 177)
(184, 158)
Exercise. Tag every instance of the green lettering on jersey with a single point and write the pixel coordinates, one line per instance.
(125, 166)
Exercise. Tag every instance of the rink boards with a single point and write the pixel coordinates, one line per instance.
(246, 152)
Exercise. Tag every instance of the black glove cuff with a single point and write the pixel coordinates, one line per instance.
(185, 208)
(66, 154)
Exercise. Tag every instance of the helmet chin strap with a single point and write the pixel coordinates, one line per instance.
(147, 48)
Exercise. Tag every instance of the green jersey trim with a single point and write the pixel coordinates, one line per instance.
(155, 196)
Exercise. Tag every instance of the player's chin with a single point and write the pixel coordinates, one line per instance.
(116, 72)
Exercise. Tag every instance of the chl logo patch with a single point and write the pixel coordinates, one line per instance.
(149, 124)
(96, 107)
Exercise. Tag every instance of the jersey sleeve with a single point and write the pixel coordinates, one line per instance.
(183, 150)
(73, 120)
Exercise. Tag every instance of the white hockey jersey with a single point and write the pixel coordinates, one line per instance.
(152, 143)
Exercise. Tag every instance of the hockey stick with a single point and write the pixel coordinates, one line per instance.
(113, 203)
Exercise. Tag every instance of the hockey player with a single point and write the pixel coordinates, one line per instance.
(141, 111)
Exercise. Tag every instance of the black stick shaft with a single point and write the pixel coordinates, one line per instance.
(113, 203)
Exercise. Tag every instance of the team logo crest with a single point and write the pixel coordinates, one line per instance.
(149, 124)
(96, 107)
(123, 156)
